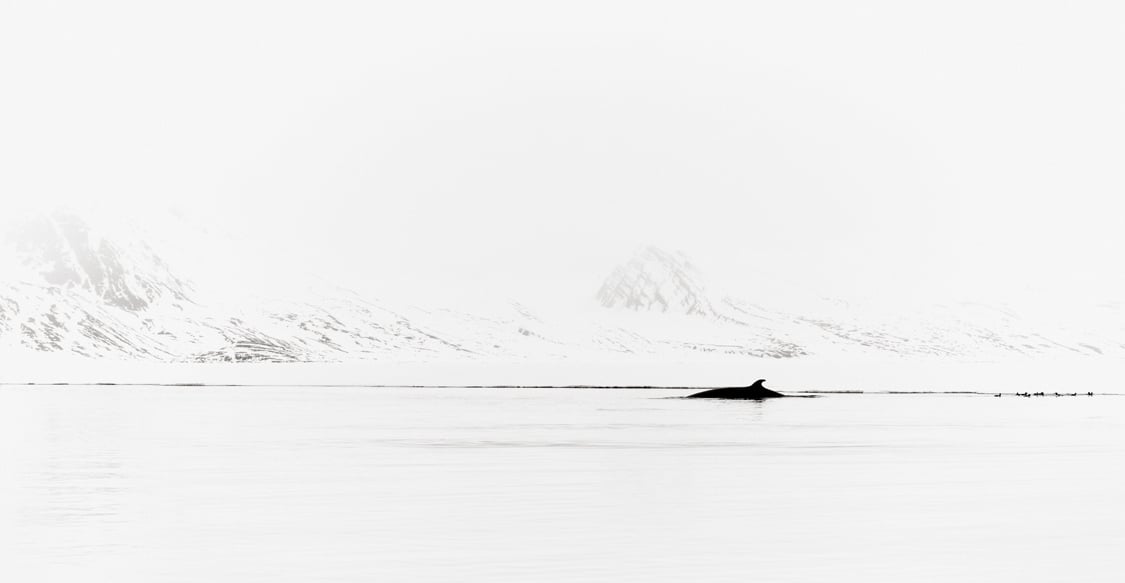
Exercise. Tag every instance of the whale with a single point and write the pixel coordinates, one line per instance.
(755, 392)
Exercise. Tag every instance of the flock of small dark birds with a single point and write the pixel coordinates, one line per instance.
(1046, 394)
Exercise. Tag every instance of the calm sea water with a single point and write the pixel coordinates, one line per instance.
(283, 485)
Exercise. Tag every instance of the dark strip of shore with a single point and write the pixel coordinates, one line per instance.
(445, 386)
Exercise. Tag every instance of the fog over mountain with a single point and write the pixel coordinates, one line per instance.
(963, 151)
(605, 180)
(123, 289)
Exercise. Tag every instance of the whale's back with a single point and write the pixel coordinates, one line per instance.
(755, 392)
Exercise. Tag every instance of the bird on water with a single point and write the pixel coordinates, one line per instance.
(755, 391)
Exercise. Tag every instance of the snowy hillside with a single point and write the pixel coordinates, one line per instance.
(107, 289)
(656, 281)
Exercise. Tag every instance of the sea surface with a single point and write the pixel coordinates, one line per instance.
(335, 484)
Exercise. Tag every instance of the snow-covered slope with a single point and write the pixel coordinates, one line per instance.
(64, 253)
(108, 289)
(655, 280)
(70, 287)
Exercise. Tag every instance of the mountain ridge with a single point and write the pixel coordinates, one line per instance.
(104, 295)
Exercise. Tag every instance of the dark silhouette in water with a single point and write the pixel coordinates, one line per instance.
(755, 391)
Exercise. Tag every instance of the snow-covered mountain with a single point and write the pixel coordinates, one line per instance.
(63, 251)
(655, 280)
(71, 285)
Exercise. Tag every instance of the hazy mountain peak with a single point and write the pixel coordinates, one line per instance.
(61, 249)
(656, 280)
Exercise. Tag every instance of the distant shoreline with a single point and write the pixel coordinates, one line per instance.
(510, 386)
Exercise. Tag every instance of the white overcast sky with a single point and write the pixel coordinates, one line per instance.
(969, 149)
